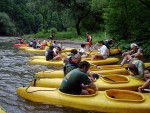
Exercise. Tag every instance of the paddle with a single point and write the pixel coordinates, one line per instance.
(101, 75)
(98, 67)
(146, 89)
(92, 48)
(107, 78)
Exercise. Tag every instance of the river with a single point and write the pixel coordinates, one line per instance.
(15, 72)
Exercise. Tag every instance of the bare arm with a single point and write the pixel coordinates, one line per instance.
(146, 84)
(92, 86)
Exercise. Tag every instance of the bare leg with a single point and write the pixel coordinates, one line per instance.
(97, 57)
(126, 58)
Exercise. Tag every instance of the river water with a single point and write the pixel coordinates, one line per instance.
(15, 72)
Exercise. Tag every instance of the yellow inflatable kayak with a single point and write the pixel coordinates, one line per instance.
(112, 100)
(23, 48)
(105, 69)
(60, 74)
(111, 52)
(32, 50)
(2, 110)
(60, 63)
(112, 81)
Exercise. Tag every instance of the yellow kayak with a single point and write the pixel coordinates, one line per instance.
(112, 81)
(105, 69)
(112, 100)
(60, 62)
(2, 110)
(23, 48)
(112, 52)
(60, 74)
(32, 50)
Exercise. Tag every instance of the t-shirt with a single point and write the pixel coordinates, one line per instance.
(81, 51)
(69, 67)
(71, 83)
(136, 68)
(103, 51)
(49, 54)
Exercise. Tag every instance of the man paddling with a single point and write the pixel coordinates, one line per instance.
(77, 81)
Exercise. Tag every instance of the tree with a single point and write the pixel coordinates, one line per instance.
(79, 9)
(6, 25)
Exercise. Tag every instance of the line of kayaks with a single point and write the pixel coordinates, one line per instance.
(32, 50)
(113, 81)
(112, 100)
(106, 69)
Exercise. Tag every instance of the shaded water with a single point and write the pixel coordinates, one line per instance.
(15, 72)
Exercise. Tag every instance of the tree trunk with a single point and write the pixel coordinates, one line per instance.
(78, 26)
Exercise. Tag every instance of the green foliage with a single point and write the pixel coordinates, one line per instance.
(7, 27)
(71, 29)
(53, 31)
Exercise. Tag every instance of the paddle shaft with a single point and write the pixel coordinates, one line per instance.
(98, 67)
(146, 89)
(101, 75)
(107, 78)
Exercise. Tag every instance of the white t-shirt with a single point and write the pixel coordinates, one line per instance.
(104, 51)
(81, 50)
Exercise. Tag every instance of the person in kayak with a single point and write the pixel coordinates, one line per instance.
(50, 55)
(134, 53)
(136, 68)
(76, 81)
(104, 52)
(82, 51)
(68, 57)
(73, 64)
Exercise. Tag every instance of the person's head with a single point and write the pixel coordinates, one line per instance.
(54, 41)
(134, 46)
(74, 51)
(100, 43)
(51, 47)
(76, 58)
(87, 33)
(84, 66)
(82, 45)
(58, 48)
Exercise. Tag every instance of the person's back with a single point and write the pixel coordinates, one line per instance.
(72, 64)
(68, 57)
(74, 80)
(136, 68)
(34, 44)
(49, 53)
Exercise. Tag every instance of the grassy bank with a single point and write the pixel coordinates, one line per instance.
(68, 36)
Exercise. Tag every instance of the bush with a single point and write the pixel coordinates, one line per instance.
(71, 29)
(52, 31)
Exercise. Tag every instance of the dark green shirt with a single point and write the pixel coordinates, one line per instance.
(72, 82)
